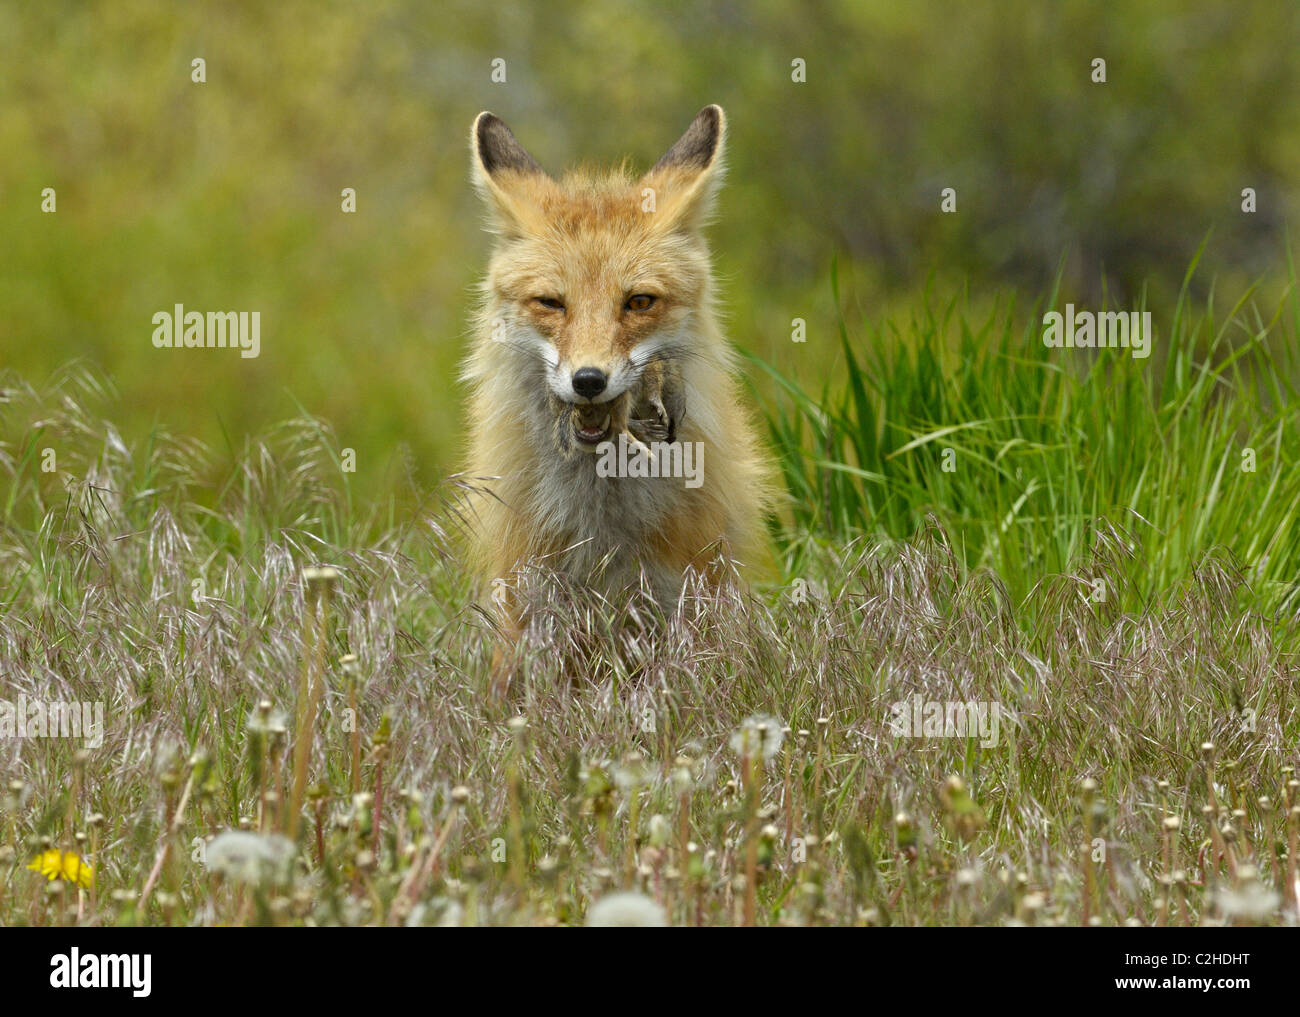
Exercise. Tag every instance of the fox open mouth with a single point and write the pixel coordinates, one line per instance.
(592, 424)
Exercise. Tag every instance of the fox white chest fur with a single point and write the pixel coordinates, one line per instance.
(597, 327)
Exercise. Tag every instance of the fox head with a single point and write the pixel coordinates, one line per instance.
(594, 277)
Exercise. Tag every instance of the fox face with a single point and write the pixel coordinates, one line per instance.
(596, 280)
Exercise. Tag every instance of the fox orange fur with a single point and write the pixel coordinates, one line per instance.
(598, 309)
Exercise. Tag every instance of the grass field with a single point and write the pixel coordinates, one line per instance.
(1105, 567)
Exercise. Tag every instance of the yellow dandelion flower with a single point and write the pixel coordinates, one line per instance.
(62, 865)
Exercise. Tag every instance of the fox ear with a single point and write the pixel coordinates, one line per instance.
(687, 177)
(507, 177)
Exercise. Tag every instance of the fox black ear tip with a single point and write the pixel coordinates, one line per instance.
(487, 126)
(712, 119)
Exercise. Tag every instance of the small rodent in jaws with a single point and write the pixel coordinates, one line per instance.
(650, 411)
(658, 402)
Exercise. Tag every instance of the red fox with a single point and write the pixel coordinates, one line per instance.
(604, 413)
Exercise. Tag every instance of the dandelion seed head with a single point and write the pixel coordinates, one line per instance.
(1250, 901)
(252, 858)
(268, 721)
(758, 735)
(626, 910)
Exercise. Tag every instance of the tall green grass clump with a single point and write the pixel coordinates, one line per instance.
(1027, 456)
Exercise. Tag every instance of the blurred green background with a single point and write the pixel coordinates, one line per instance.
(226, 195)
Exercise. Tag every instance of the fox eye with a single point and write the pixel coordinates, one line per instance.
(550, 303)
(640, 302)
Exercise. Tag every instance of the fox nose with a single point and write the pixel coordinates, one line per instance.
(589, 382)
